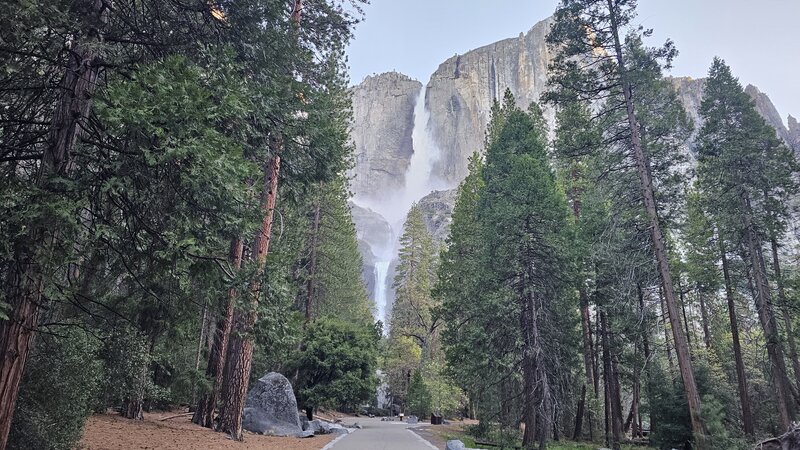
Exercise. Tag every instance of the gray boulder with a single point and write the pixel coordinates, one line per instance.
(304, 423)
(455, 445)
(271, 408)
(322, 427)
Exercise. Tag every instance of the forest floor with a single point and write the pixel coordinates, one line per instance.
(112, 432)
(438, 435)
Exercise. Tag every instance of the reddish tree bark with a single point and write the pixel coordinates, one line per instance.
(24, 280)
(240, 349)
(204, 414)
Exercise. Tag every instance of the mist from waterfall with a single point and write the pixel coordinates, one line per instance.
(381, 275)
(420, 180)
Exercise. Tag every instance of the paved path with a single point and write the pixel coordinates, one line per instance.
(377, 435)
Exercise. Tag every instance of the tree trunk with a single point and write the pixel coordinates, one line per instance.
(576, 435)
(588, 351)
(204, 414)
(685, 317)
(744, 396)
(659, 248)
(666, 335)
(704, 319)
(612, 387)
(201, 339)
(763, 301)
(312, 268)
(24, 280)
(785, 313)
(529, 370)
(240, 349)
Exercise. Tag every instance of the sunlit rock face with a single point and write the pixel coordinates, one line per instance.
(445, 126)
(463, 88)
(383, 120)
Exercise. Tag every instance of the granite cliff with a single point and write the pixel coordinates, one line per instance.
(383, 120)
(458, 97)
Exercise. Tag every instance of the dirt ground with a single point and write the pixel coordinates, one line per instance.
(112, 432)
(438, 435)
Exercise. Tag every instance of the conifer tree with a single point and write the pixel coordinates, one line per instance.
(597, 61)
(412, 312)
(745, 172)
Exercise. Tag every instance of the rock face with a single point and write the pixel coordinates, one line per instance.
(461, 92)
(383, 120)
(768, 111)
(794, 134)
(437, 211)
(373, 232)
(690, 93)
(271, 407)
(459, 96)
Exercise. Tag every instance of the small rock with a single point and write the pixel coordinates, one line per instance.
(455, 444)
(304, 422)
(305, 434)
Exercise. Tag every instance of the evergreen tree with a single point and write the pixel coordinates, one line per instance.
(336, 365)
(412, 312)
(745, 172)
(595, 61)
(331, 264)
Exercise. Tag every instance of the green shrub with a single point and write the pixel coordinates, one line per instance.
(127, 362)
(57, 392)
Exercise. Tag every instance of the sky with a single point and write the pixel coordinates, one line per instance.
(758, 38)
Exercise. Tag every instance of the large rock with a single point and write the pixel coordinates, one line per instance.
(437, 212)
(455, 444)
(322, 427)
(690, 93)
(271, 407)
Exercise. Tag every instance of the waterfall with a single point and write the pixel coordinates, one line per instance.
(420, 180)
(381, 286)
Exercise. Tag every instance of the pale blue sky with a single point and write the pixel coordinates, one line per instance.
(758, 38)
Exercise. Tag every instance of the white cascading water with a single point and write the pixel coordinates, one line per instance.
(381, 273)
(394, 207)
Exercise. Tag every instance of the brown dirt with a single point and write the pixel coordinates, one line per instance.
(112, 432)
